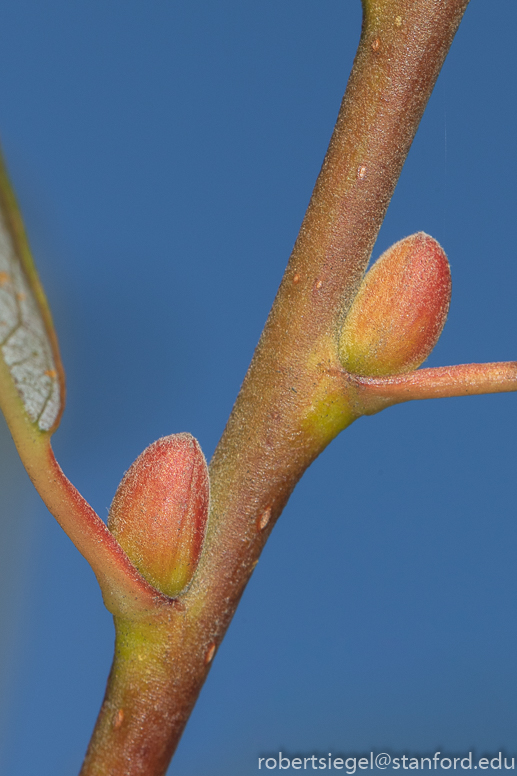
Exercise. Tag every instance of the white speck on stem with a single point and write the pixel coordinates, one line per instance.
(264, 519)
(210, 654)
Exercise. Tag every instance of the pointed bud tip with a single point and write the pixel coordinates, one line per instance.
(160, 510)
(399, 311)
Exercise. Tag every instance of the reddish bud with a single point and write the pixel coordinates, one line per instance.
(399, 311)
(160, 510)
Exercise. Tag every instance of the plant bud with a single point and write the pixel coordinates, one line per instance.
(399, 311)
(160, 510)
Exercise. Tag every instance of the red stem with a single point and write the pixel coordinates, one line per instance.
(373, 394)
(124, 590)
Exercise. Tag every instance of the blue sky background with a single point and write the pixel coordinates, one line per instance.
(164, 154)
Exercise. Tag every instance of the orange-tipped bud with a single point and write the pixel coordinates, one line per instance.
(399, 311)
(160, 509)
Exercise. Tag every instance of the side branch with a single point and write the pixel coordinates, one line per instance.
(124, 590)
(374, 394)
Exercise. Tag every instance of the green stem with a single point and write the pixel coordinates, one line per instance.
(136, 722)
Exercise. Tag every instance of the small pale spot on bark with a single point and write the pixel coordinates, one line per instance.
(296, 279)
(398, 21)
(376, 44)
(319, 284)
(119, 719)
(210, 654)
(264, 519)
(361, 172)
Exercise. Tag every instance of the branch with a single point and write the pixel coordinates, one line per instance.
(292, 402)
(32, 397)
(124, 590)
(374, 394)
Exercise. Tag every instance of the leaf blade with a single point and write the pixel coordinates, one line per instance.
(28, 343)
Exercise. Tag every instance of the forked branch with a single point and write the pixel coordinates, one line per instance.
(323, 360)
(292, 402)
